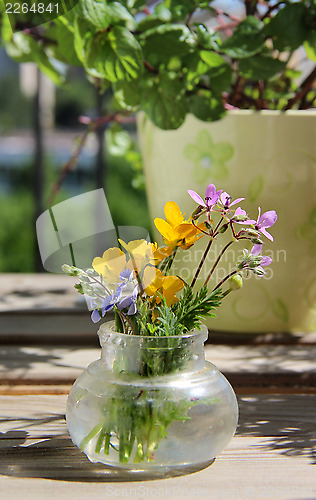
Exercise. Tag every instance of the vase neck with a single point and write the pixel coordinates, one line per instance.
(152, 356)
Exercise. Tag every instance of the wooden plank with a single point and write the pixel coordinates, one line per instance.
(272, 367)
(35, 308)
(272, 456)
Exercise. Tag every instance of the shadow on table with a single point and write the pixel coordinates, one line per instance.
(56, 457)
(288, 421)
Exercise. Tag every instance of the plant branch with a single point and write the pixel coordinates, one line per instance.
(304, 89)
(217, 261)
(201, 263)
(71, 163)
(272, 8)
(150, 67)
(225, 279)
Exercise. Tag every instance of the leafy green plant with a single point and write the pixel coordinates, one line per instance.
(180, 56)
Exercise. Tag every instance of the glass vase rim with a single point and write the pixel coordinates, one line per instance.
(193, 334)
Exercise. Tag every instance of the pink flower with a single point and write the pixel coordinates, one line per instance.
(265, 260)
(240, 214)
(225, 199)
(211, 196)
(264, 221)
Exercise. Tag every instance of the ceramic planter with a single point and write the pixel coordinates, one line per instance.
(269, 158)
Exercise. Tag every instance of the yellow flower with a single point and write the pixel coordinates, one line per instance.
(160, 253)
(111, 264)
(140, 248)
(171, 285)
(140, 254)
(167, 286)
(175, 230)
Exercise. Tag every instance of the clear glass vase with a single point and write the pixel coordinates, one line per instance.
(152, 403)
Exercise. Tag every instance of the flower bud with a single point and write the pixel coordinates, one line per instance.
(259, 271)
(255, 261)
(197, 212)
(70, 270)
(240, 218)
(256, 241)
(235, 282)
(223, 228)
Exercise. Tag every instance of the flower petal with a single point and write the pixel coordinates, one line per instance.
(256, 249)
(236, 201)
(196, 197)
(266, 261)
(266, 234)
(173, 214)
(164, 228)
(268, 218)
(225, 197)
(95, 316)
(210, 191)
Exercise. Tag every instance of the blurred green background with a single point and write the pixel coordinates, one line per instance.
(122, 167)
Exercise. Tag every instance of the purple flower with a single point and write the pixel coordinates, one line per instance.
(264, 221)
(225, 199)
(95, 316)
(126, 275)
(211, 196)
(240, 214)
(129, 302)
(253, 261)
(107, 305)
(265, 260)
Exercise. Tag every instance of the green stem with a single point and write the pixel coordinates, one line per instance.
(171, 259)
(90, 436)
(201, 263)
(217, 261)
(225, 279)
(100, 440)
(107, 443)
(126, 319)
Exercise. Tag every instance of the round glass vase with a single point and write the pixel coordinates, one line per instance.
(152, 403)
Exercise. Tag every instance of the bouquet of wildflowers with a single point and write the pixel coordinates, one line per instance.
(136, 282)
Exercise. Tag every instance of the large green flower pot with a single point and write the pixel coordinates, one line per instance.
(270, 159)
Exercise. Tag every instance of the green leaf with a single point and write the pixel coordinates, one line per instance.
(167, 40)
(103, 14)
(206, 38)
(260, 67)
(114, 55)
(212, 59)
(21, 48)
(46, 66)
(181, 9)
(127, 94)
(205, 106)
(221, 77)
(310, 47)
(287, 28)
(63, 49)
(148, 22)
(83, 33)
(256, 188)
(163, 101)
(247, 39)
(280, 310)
(193, 308)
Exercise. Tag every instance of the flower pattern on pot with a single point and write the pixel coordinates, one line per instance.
(307, 230)
(209, 158)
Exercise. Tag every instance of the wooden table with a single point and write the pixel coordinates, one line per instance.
(44, 344)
